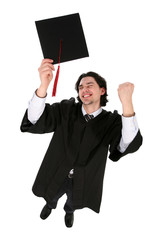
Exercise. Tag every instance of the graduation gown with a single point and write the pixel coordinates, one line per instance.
(80, 145)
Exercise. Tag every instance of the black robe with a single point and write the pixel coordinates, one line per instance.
(80, 145)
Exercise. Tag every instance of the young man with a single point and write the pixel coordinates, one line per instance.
(83, 133)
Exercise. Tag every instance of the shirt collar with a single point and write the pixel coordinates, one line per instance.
(95, 114)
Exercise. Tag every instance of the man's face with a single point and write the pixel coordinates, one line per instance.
(89, 91)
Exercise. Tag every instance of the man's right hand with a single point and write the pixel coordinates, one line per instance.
(46, 75)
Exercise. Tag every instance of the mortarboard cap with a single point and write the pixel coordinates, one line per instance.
(62, 39)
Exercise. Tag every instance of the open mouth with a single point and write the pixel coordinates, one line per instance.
(87, 95)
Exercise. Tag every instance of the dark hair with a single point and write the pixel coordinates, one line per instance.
(100, 81)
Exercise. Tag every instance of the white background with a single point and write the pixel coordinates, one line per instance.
(123, 39)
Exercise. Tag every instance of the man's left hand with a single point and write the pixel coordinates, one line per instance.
(125, 92)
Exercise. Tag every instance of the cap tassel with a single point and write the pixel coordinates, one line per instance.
(55, 82)
(57, 74)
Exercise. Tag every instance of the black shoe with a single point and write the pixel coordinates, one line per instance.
(69, 218)
(46, 211)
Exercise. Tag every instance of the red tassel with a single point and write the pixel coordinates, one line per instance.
(57, 74)
(55, 82)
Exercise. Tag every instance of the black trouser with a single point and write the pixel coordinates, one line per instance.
(65, 188)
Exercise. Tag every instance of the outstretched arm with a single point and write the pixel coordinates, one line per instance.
(40, 117)
(129, 122)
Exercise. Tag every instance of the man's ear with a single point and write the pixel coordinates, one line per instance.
(103, 91)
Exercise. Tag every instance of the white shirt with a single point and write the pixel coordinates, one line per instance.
(95, 114)
(130, 128)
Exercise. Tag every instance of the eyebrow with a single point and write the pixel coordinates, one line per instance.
(86, 84)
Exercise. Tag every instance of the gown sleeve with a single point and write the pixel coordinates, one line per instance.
(115, 155)
(47, 122)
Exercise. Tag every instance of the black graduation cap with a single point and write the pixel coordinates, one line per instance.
(62, 39)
